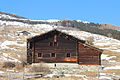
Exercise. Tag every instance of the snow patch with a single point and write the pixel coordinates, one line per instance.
(82, 21)
(49, 75)
(5, 43)
(7, 57)
(52, 20)
(102, 73)
(112, 67)
(104, 56)
(1, 72)
(112, 61)
(104, 77)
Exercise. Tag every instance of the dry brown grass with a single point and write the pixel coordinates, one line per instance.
(111, 71)
(66, 78)
(63, 78)
(9, 65)
(89, 73)
(111, 53)
(104, 46)
(41, 67)
(17, 47)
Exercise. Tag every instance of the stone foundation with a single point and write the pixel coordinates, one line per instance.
(70, 68)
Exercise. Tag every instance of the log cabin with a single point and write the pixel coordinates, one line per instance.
(58, 47)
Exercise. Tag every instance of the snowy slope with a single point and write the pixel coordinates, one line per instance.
(50, 20)
(99, 40)
(10, 16)
(15, 20)
(13, 46)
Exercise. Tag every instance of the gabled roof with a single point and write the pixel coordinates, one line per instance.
(53, 31)
(56, 30)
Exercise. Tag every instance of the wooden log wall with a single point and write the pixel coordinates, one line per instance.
(63, 47)
(79, 52)
(88, 55)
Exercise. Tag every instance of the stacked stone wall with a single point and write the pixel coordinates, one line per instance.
(71, 68)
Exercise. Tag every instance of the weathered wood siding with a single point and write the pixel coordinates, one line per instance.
(64, 46)
(79, 52)
(88, 55)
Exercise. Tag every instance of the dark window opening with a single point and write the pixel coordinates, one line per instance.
(55, 43)
(53, 55)
(39, 54)
(30, 45)
(68, 55)
(51, 44)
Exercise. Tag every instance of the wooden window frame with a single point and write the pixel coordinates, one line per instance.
(52, 56)
(50, 43)
(55, 43)
(30, 45)
(39, 56)
(69, 55)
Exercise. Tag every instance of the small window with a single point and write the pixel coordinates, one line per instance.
(55, 43)
(30, 45)
(68, 55)
(51, 44)
(53, 55)
(39, 54)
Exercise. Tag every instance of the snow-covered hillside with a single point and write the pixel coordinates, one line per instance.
(13, 46)
(4, 15)
(15, 20)
(99, 41)
(13, 41)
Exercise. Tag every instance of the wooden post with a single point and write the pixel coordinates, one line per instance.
(23, 75)
(34, 52)
(98, 74)
(8, 75)
(77, 52)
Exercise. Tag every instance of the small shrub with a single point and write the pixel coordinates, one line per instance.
(20, 66)
(39, 67)
(8, 65)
